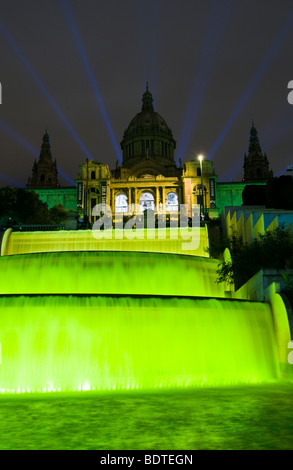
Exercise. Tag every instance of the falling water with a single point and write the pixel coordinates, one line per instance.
(100, 320)
(169, 240)
(96, 343)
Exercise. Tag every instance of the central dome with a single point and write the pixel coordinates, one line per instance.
(148, 135)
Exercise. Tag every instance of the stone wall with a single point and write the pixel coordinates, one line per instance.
(248, 221)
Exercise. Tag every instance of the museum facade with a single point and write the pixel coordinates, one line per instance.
(148, 177)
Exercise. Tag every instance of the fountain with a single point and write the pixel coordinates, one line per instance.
(83, 314)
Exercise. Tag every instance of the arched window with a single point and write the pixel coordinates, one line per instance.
(121, 203)
(146, 201)
(93, 175)
(171, 202)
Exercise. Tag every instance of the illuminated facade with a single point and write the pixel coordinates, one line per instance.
(148, 177)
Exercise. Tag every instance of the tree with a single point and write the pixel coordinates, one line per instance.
(19, 206)
(30, 209)
(271, 250)
(58, 214)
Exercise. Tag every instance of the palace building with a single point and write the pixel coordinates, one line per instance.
(148, 177)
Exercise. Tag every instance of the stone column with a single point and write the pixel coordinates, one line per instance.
(164, 197)
(180, 198)
(113, 200)
(157, 197)
(129, 199)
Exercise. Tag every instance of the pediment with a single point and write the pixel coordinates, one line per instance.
(147, 169)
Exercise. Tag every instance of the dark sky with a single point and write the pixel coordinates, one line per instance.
(80, 68)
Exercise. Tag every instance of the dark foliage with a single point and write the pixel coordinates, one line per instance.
(272, 250)
(19, 206)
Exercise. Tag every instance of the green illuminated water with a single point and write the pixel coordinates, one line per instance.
(187, 241)
(133, 350)
(110, 273)
(105, 343)
(244, 417)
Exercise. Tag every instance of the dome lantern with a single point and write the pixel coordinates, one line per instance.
(148, 135)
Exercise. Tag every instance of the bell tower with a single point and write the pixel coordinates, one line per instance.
(44, 171)
(256, 164)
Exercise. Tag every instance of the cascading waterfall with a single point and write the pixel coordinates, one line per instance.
(169, 240)
(80, 343)
(110, 273)
(97, 320)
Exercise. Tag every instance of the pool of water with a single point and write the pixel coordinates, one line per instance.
(247, 417)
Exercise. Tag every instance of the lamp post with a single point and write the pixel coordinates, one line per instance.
(200, 157)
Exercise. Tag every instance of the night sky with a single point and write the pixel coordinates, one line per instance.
(79, 68)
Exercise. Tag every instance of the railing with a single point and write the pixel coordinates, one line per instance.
(37, 228)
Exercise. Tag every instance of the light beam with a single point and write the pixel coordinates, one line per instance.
(40, 84)
(211, 41)
(90, 74)
(285, 30)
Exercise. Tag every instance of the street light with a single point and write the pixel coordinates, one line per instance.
(200, 157)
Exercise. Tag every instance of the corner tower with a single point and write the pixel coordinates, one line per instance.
(44, 172)
(256, 165)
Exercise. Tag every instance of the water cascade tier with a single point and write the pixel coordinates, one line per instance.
(192, 242)
(94, 319)
(71, 343)
(110, 273)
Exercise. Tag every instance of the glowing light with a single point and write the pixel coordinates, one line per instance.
(89, 71)
(85, 387)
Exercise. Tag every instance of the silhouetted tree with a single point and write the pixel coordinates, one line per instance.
(19, 206)
(58, 214)
(273, 249)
